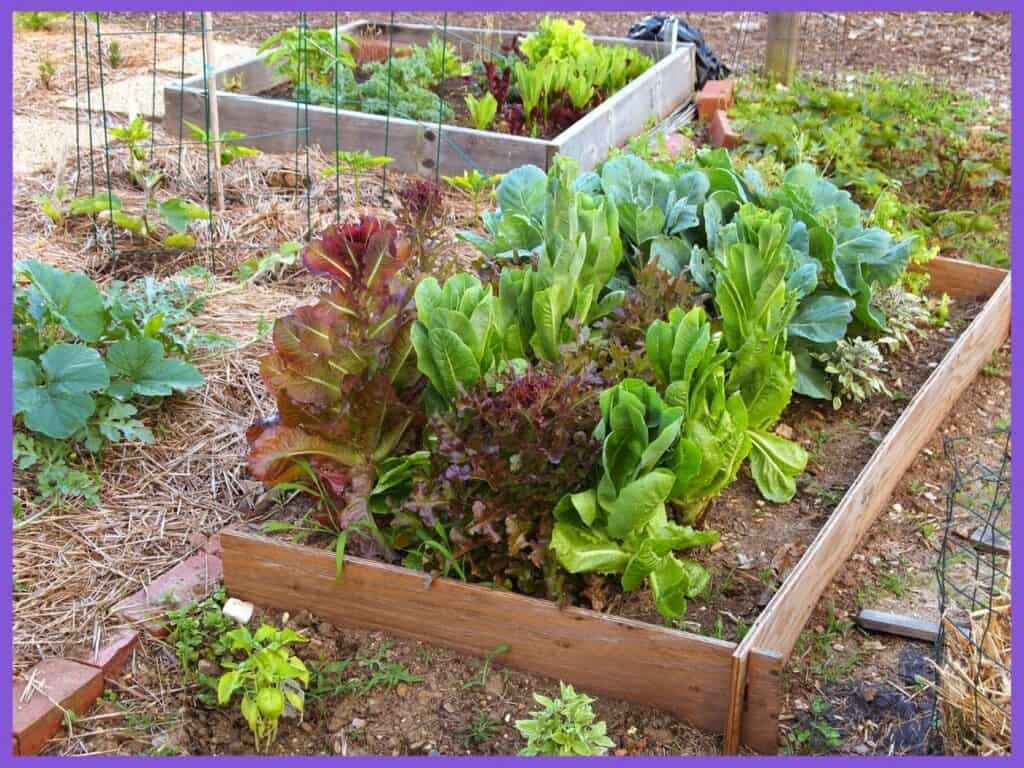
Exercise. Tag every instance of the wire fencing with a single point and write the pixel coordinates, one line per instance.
(973, 574)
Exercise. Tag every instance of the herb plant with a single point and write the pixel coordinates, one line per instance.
(564, 726)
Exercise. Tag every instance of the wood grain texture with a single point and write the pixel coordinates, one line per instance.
(961, 279)
(762, 701)
(418, 147)
(684, 674)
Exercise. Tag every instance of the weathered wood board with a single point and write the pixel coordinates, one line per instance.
(426, 148)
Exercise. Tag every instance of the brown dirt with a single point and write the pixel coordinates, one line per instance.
(157, 499)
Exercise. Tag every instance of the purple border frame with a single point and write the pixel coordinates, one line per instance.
(6, 230)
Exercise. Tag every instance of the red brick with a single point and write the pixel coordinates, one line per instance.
(722, 134)
(191, 579)
(69, 684)
(116, 651)
(715, 95)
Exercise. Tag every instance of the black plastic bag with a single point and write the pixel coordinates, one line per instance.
(660, 27)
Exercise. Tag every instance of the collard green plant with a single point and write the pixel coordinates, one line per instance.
(342, 372)
(622, 526)
(565, 726)
(268, 676)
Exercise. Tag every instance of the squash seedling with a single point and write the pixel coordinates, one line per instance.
(132, 136)
(356, 165)
(474, 184)
(269, 676)
(230, 149)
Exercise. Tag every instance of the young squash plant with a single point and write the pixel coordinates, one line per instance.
(356, 165)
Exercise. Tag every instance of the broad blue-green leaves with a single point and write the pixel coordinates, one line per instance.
(55, 395)
(138, 366)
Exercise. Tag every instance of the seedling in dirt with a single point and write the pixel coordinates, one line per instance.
(230, 149)
(479, 730)
(816, 738)
(475, 184)
(480, 681)
(893, 582)
(916, 487)
(196, 631)
(356, 164)
(37, 20)
(999, 366)
(565, 726)
(268, 676)
(114, 54)
(330, 680)
(274, 264)
(482, 110)
(46, 73)
(384, 673)
(132, 136)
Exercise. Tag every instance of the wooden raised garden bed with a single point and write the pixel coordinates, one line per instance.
(724, 687)
(424, 147)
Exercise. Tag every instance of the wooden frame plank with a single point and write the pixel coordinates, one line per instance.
(716, 685)
(679, 672)
(417, 147)
(783, 619)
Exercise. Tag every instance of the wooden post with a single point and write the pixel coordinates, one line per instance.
(783, 49)
(211, 90)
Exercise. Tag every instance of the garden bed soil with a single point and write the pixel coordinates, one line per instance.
(761, 542)
(453, 90)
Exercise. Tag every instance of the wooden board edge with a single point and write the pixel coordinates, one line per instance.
(761, 701)
(625, 93)
(961, 279)
(685, 674)
(933, 401)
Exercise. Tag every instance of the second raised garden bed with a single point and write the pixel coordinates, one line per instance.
(721, 686)
(428, 148)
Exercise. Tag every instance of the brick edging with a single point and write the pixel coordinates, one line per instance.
(76, 683)
(713, 103)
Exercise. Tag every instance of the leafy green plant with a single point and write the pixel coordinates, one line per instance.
(67, 388)
(622, 526)
(267, 677)
(230, 148)
(114, 54)
(564, 726)
(481, 111)
(475, 184)
(906, 313)
(196, 632)
(56, 477)
(46, 73)
(314, 55)
(37, 20)
(454, 334)
(443, 59)
(132, 136)
(275, 263)
(356, 165)
(854, 365)
(690, 365)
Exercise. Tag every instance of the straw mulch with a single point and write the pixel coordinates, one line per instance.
(974, 681)
(73, 564)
